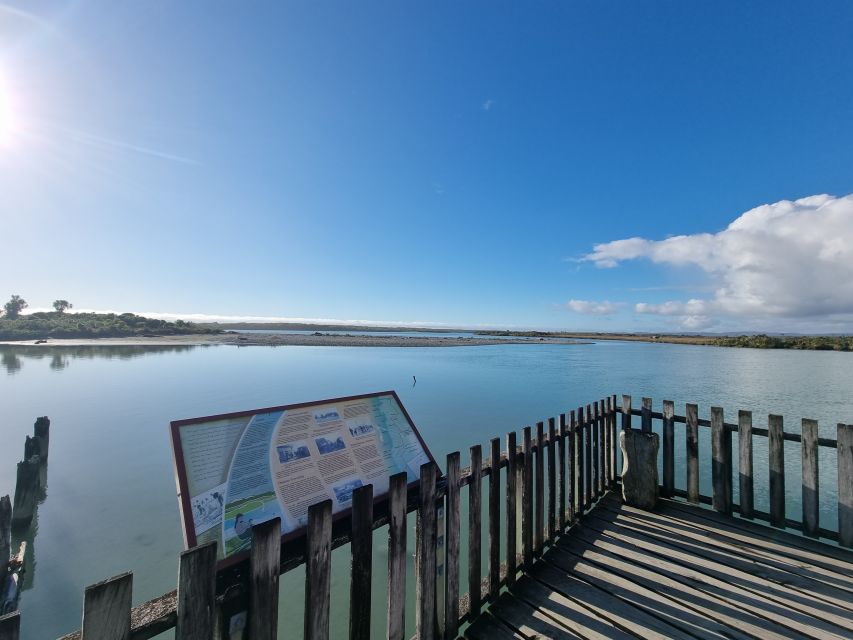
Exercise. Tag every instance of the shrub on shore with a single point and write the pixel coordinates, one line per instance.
(44, 325)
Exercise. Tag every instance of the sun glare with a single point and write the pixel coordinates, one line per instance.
(8, 127)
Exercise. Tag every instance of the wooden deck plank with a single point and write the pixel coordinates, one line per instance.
(486, 627)
(528, 620)
(670, 579)
(749, 550)
(576, 619)
(671, 611)
(619, 613)
(787, 543)
(825, 615)
(820, 592)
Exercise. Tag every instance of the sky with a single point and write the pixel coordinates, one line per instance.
(604, 166)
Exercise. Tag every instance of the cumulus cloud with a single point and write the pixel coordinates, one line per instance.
(592, 307)
(786, 260)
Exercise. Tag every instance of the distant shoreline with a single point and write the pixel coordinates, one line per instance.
(288, 339)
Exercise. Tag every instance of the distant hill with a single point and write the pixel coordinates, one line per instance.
(44, 325)
(303, 326)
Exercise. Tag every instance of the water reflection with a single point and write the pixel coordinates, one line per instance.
(12, 356)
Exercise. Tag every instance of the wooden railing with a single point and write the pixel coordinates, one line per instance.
(722, 465)
(551, 479)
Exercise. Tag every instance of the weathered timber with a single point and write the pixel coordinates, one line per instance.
(845, 485)
(561, 474)
(626, 412)
(574, 493)
(425, 613)
(692, 453)
(5, 536)
(196, 593)
(539, 490)
(776, 457)
(451, 537)
(600, 458)
(494, 519)
(511, 507)
(721, 468)
(41, 431)
(264, 571)
(361, 569)
(596, 468)
(551, 527)
(639, 469)
(588, 459)
(10, 626)
(613, 443)
(397, 503)
(668, 449)
(318, 570)
(527, 499)
(106, 609)
(811, 508)
(608, 445)
(744, 437)
(475, 511)
(646, 416)
(26, 492)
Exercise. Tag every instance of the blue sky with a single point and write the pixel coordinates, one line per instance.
(458, 163)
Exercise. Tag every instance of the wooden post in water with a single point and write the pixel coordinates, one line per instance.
(5, 538)
(41, 431)
(397, 555)
(744, 438)
(10, 626)
(196, 593)
(26, 492)
(692, 453)
(811, 483)
(776, 443)
(361, 577)
(845, 485)
(451, 537)
(721, 469)
(511, 507)
(425, 614)
(106, 609)
(494, 520)
(668, 449)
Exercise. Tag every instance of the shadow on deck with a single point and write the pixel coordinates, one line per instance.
(679, 572)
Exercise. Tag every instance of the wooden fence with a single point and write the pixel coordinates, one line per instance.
(551, 479)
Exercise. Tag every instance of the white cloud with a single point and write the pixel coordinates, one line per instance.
(787, 261)
(592, 307)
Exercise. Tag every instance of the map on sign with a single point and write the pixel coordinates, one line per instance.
(238, 470)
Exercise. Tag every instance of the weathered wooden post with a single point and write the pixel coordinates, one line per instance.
(5, 535)
(41, 432)
(639, 468)
(26, 490)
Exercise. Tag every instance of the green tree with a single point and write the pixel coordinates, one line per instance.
(15, 305)
(62, 305)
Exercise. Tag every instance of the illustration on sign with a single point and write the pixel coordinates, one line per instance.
(238, 470)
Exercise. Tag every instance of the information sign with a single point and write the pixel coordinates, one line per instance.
(240, 469)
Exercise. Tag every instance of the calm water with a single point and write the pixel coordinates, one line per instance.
(111, 502)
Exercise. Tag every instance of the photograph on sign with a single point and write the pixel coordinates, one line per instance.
(237, 470)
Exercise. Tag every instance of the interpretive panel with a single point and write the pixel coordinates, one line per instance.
(241, 469)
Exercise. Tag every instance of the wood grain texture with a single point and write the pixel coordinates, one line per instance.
(608, 443)
(626, 412)
(425, 613)
(196, 593)
(494, 518)
(614, 444)
(692, 417)
(572, 442)
(744, 441)
(602, 430)
(588, 459)
(451, 537)
(475, 533)
(811, 482)
(595, 430)
(721, 468)
(527, 499)
(318, 572)
(106, 609)
(668, 449)
(845, 485)
(361, 576)
(561, 474)
(551, 527)
(511, 507)
(397, 559)
(539, 490)
(264, 562)
(776, 456)
(646, 418)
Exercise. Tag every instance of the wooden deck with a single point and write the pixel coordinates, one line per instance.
(680, 572)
